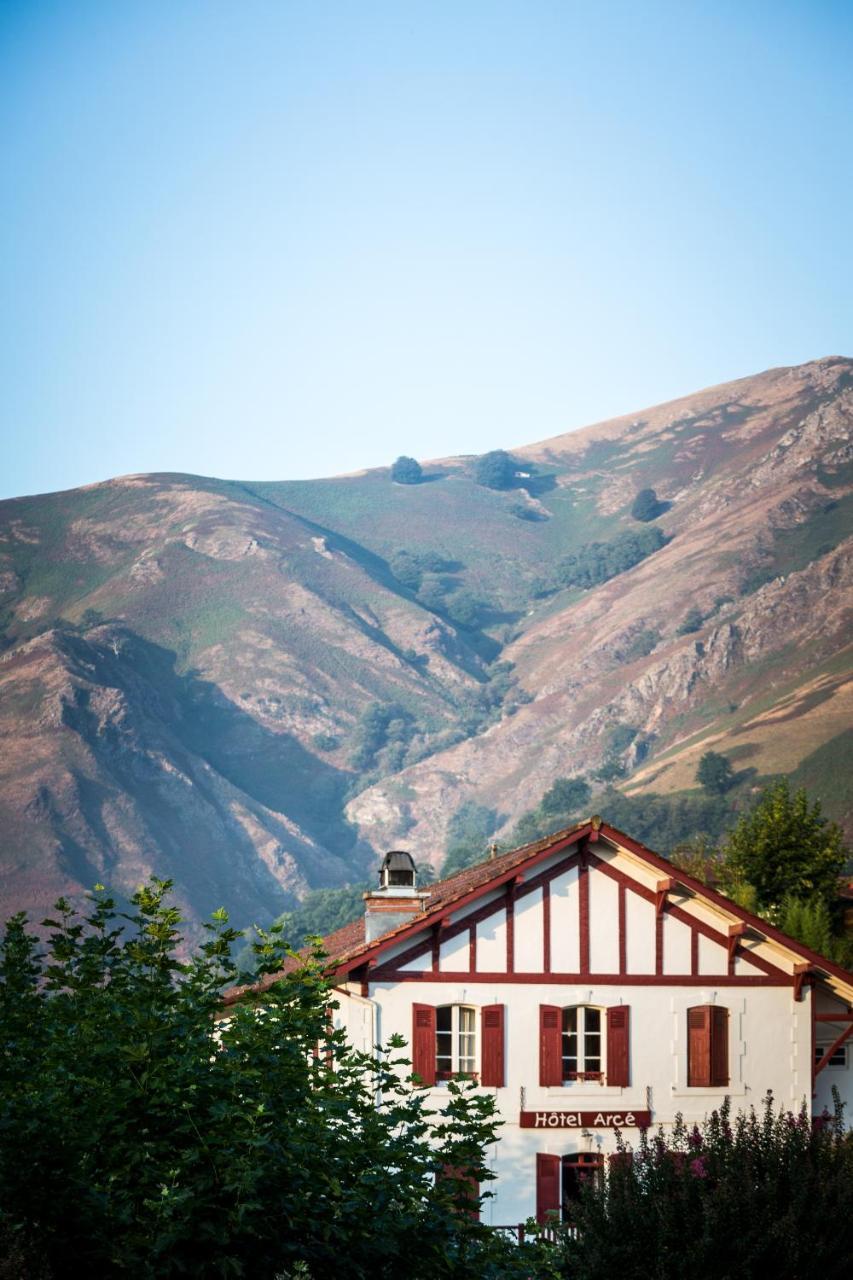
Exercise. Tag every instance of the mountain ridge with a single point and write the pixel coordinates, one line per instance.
(318, 669)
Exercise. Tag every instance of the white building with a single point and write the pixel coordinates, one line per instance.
(591, 985)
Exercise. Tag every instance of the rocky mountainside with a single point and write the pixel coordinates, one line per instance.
(254, 687)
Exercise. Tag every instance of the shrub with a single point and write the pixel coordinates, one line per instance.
(565, 797)
(693, 620)
(496, 470)
(646, 506)
(406, 471)
(640, 645)
(715, 774)
(759, 1195)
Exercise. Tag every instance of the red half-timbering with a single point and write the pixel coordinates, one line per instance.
(422, 958)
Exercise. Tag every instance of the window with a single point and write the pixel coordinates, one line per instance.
(455, 1040)
(707, 1046)
(581, 1043)
(838, 1059)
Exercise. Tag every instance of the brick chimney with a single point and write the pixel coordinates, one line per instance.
(397, 900)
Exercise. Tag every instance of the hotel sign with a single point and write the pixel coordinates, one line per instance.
(585, 1119)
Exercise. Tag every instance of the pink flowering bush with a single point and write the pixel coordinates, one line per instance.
(743, 1197)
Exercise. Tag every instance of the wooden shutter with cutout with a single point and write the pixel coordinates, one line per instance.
(423, 1042)
(719, 1045)
(492, 1057)
(618, 1045)
(550, 1045)
(699, 1046)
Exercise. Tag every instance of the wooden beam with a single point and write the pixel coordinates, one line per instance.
(662, 888)
(834, 1017)
(800, 973)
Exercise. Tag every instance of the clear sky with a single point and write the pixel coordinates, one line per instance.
(281, 240)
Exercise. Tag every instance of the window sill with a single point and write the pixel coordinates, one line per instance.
(586, 1089)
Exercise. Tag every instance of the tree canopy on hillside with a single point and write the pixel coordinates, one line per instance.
(496, 470)
(646, 505)
(715, 774)
(406, 471)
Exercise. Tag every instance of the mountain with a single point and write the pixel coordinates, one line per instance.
(254, 687)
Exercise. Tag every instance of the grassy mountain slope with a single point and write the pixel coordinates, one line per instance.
(255, 686)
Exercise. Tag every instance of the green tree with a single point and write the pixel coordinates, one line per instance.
(646, 506)
(783, 847)
(134, 1144)
(811, 922)
(715, 774)
(406, 471)
(565, 798)
(693, 620)
(496, 470)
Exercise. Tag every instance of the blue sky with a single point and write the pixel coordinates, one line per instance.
(282, 240)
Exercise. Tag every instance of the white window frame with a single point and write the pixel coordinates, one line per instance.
(460, 1063)
(582, 1072)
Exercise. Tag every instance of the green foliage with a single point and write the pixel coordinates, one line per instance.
(469, 833)
(326, 741)
(715, 774)
(134, 1144)
(496, 470)
(783, 847)
(665, 822)
(692, 621)
(640, 645)
(406, 471)
(811, 922)
(760, 1195)
(320, 912)
(565, 796)
(610, 769)
(597, 562)
(385, 728)
(562, 804)
(646, 506)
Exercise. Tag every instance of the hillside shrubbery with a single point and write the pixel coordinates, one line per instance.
(597, 562)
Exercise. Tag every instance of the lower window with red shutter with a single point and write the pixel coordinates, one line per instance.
(547, 1187)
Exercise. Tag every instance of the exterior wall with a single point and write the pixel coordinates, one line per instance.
(769, 1048)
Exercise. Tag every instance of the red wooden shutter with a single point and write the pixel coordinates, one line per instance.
(423, 1042)
(550, 1045)
(492, 1058)
(699, 1046)
(719, 1045)
(618, 1042)
(547, 1186)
